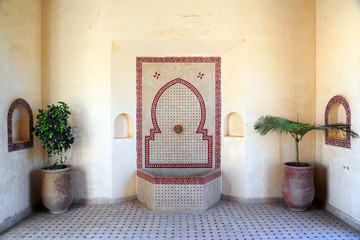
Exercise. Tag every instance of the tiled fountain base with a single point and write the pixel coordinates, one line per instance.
(179, 193)
(225, 220)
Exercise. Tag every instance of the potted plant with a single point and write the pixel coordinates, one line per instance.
(298, 187)
(55, 135)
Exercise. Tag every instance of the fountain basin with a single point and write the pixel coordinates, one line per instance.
(177, 191)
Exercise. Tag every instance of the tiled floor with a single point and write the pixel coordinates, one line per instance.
(226, 220)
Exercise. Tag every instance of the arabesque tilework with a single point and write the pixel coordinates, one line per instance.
(178, 103)
(192, 193)
(178, 91)
(225, 221)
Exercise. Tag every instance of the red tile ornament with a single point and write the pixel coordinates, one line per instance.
(332, 141)
(20, 145)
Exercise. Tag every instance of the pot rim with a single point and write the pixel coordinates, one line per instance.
(309, 165)
(68, 168)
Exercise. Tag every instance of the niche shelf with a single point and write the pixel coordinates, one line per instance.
(123, 126)
(338, 111)
(234, 125)
(19, 124)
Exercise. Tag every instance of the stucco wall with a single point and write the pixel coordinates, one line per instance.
(338, 73)
(20, 77)
(267, 50)
(280, 81)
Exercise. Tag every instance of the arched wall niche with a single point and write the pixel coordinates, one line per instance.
(234, 125)
(19, 124)
(338, 111)
(123, 126)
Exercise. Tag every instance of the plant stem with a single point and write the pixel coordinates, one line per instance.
(61, 157)
(297, 150)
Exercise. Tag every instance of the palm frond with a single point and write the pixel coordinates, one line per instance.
(338, 128)
(266, 124)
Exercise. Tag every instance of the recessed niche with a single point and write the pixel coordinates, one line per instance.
(123, 126)
(234, 125)
(338, 111)
(19, 124)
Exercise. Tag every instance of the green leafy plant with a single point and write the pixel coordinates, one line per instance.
(297, 130)
(54, 132)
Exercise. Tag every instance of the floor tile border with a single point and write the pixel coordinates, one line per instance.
(340, 214)
(94, 201)
(11, 221)
(250, 200)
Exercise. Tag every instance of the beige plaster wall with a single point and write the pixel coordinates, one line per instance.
(267, 50)
(338, 73)
(76, 69)
(20, 77)
(280, 81)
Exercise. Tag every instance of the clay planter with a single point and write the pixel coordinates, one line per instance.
(298, 185)
(56, 189)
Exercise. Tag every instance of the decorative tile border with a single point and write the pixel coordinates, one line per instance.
(21, 145)
(202, 179)
(217, 61)
(251, 200)
(12, 221)
(340, 214)
(332, 141)
(200, 129)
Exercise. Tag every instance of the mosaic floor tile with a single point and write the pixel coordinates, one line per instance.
(226, 220)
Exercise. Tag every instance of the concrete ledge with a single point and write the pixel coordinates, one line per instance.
(11, 221)
(340, 214)
(251, 200)
(94, 201)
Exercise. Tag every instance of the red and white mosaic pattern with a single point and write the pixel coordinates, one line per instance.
(12, 146)
(195, 193)
(333, 141)
(226, 220)
(178, 103)
(202, 179)
(159, 146)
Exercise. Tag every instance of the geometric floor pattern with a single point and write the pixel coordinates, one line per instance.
(226, 220)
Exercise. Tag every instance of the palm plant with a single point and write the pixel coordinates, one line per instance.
(297, 130)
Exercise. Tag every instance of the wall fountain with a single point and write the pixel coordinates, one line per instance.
(178, 132)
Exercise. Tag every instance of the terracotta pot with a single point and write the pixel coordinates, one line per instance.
(298, 185)
(56, 189)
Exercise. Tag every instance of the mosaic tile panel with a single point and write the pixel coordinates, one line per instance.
(145, 192)
(333, 141)
(173, 93)
(209, 189)
(195, 193)
(13, 146)
(226, 221)
(178, 104)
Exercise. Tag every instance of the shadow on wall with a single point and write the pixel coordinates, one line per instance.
(274, 168)
(76, 155)
(80, 191)
(35, 186)
(321, 182)
(131, 185)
